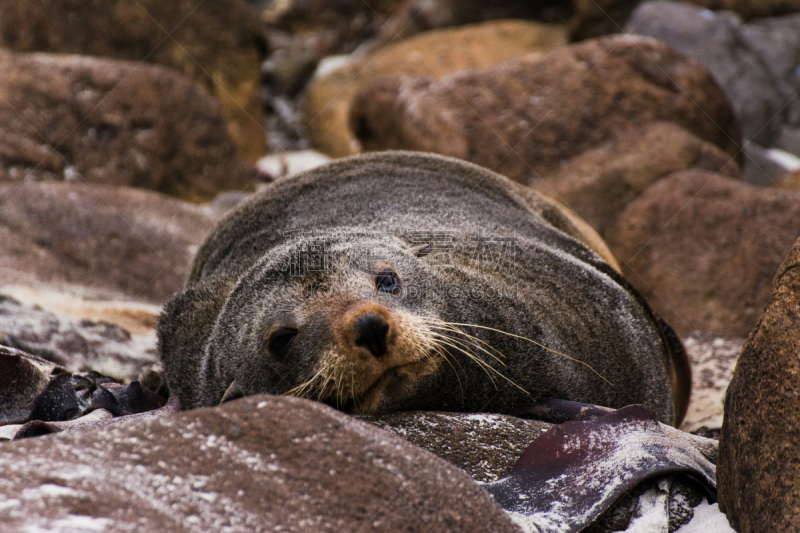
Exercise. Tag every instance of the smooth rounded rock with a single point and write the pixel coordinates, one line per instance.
(96, 120)
(527, 116)
(601, 181)
(703, 249)
(111, 240)
(436, 53)
(759, 463)
(263, 463)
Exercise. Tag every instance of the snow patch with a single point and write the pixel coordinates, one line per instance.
(72, 524)
(707, 519)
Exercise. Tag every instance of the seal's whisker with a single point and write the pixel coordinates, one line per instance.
(338, 392)
(443, 354)
(463, 345)
(300, 390)
(329, 378)
(340, 384)
(486, 367)
(447, 325)
(483, 364)
(587, 365)
(473, 340)
(472, 356)
(430, 343)
(353, 389)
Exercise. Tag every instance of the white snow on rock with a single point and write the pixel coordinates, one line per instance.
(707, 519)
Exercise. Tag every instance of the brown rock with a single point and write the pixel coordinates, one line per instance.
(112, 239)
(789, 180)
(526, 116)
(601, 181)
(435, 53)
(114, 122)
(217, 44)
(702, 249)
(486, 446)
(263, 463)
(759, 464)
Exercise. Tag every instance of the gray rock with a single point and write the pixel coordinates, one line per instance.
(76, 345)
(263, 463)
(757, 63)
(486, 446)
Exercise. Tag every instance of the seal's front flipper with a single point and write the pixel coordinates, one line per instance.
(556, 411)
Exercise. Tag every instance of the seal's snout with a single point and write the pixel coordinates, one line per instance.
(367, 331)
(371, 331)
(378, 355)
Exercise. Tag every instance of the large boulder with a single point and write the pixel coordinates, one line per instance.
(263, 463)
(599, 183)
(703, 249)
(750, 9)
(436, 53)
(100, 120)
(111, 239)
(754, 62)
(759, 462)
(593, 18)
(217, 44)
(526, 116)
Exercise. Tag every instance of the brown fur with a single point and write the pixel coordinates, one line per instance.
(548, 316)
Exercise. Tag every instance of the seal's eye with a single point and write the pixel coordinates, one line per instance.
(387, 281)
(281, 340)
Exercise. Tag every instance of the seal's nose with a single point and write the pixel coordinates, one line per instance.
(371, 331)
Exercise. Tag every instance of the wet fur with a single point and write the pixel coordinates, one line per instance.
(212, 333)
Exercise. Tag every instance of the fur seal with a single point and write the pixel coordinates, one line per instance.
(400, 281)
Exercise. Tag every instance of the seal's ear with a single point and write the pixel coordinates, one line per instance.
(232, 393)
(422, 250)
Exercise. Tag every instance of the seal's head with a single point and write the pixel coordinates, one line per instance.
(352, 326)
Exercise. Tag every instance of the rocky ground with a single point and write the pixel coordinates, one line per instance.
(128, 128)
